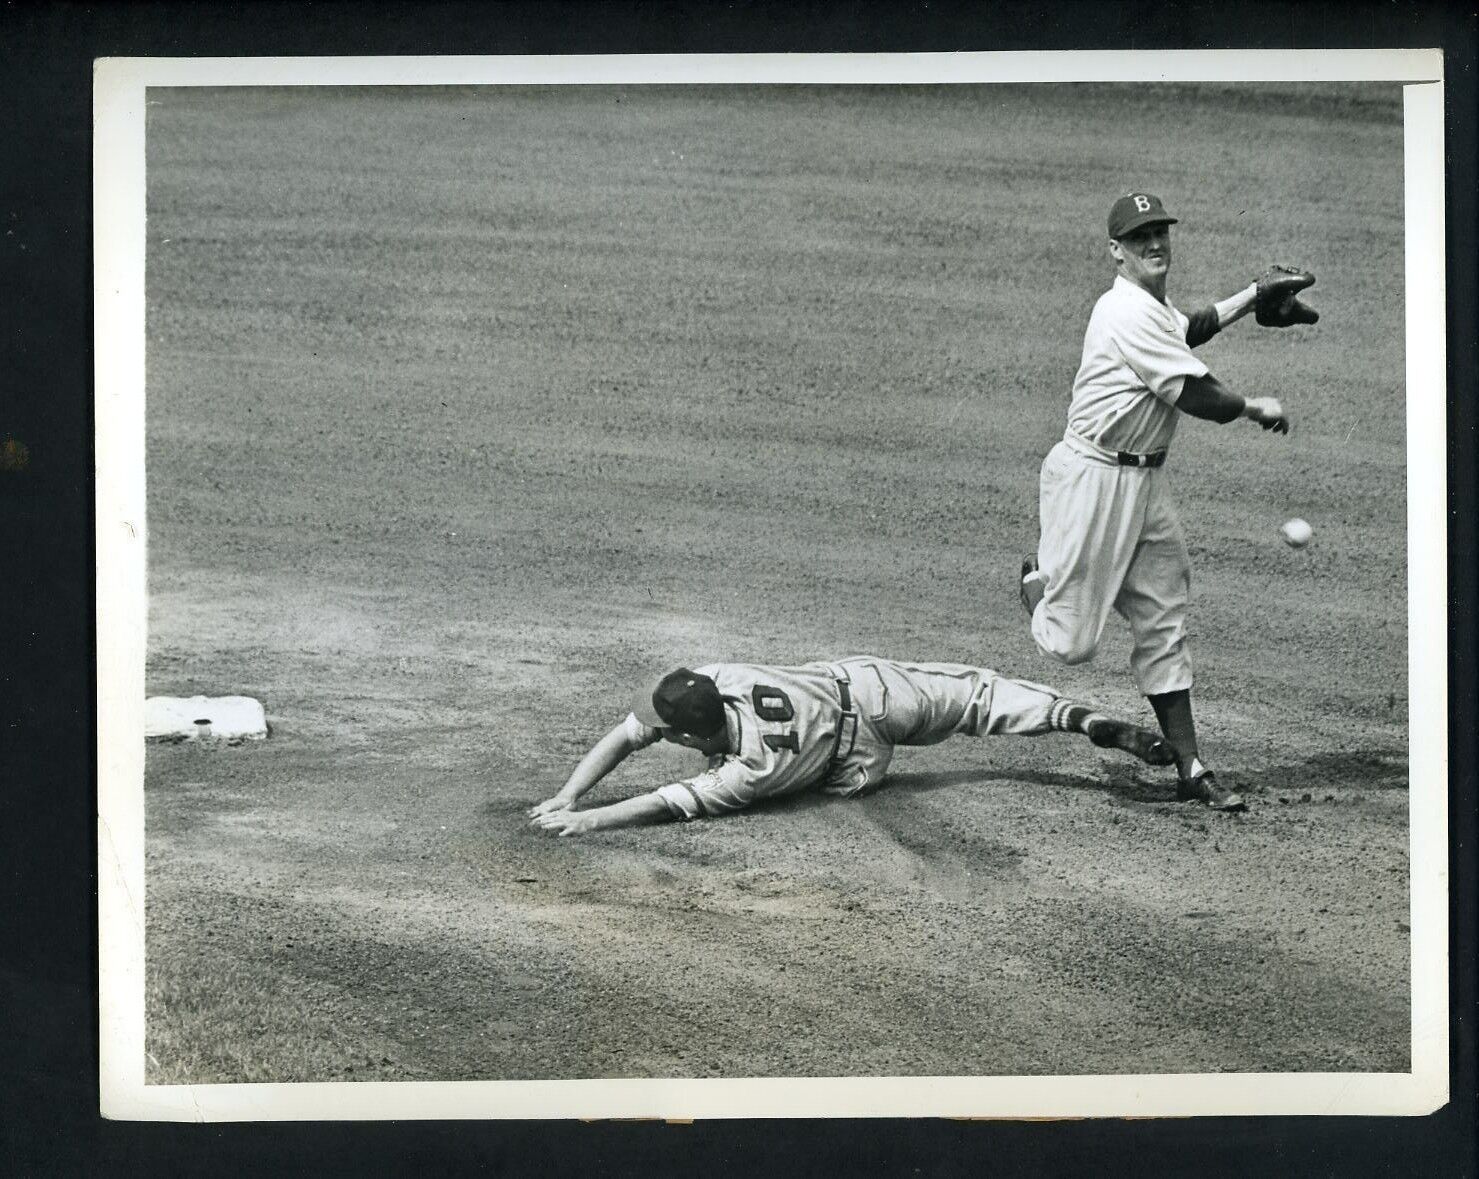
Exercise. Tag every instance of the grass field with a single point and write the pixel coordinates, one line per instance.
(466, 408)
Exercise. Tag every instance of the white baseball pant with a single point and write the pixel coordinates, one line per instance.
(1111, 538)
(923, 704)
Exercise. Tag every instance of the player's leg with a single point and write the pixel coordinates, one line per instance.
(1154, 599)
(1089, 516)
(931, 701)
(1194, 781)
(1173, 712)
(1023, 708)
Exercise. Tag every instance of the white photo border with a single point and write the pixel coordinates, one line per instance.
(119, 217)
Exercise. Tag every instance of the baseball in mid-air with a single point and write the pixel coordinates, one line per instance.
(1296, 532)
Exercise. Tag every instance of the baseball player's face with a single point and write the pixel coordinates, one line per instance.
(1144, 255)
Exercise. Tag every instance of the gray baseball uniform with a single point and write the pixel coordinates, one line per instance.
(836, 725)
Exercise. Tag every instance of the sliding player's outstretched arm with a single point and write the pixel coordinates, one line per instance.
(607, 753)
(641, 811)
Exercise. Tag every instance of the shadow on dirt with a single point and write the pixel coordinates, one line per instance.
(1381, 768)
(1123, 782)
(1377, 769)
(501, 806)
(925, 782)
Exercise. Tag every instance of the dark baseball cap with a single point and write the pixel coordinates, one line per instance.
(1135, 209)
(682, 700)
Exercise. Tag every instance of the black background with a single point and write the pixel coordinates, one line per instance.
(49, 1123)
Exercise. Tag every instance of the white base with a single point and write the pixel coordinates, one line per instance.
(227, 718)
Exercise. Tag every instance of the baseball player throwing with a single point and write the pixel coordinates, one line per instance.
(770, 731)
(1110, 535)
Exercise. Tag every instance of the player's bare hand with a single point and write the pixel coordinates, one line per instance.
(564, 822)
(1268, 413)
(549, 804)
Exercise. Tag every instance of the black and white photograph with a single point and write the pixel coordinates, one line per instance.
(845, 587)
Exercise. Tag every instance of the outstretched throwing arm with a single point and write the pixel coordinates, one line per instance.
(1207, 398)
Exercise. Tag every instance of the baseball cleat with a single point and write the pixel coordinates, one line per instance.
(1204, 788)
(1108, 733)
(1030, 584)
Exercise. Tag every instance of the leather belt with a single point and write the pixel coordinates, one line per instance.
(847, 723)
(1125, 458)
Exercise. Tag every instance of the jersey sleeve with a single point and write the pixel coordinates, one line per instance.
(640, 735)
(1155, 348)
(729, 787)
(1202, 325)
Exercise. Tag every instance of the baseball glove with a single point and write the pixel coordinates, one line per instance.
(1278, 303)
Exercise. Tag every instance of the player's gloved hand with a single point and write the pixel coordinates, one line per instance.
(1268, 413)
(1277, 303)
(564, 822)
(549, 804)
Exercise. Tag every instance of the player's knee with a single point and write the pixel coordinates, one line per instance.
(1078, 652)
(1066, 646)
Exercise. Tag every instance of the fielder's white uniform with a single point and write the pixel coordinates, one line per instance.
(836, 725)
(1110, 535)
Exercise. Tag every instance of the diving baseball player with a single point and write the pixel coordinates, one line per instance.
(1110, 535)
(769, 731)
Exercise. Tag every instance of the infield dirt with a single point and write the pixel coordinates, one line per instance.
(468, 408)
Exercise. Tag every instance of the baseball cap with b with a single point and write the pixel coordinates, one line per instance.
(1135, 209)
(682, 700)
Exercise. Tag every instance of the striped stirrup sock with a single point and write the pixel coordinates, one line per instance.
(1068, 716)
